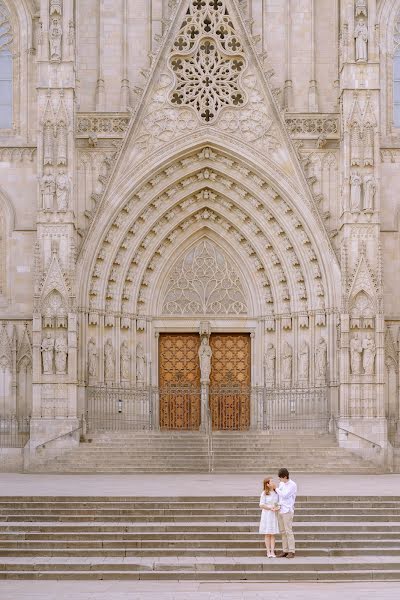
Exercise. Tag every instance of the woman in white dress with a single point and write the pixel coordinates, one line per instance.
(269, 504)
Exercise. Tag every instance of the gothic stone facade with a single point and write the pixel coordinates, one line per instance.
(169, 163)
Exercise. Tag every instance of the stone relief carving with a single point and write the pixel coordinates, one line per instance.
(355, 194)
(286, 362)
(62, 191)
(312, 126)
(125, 361)
(55, 37)
(205, 355)
(204, 282)
(47, 349)
(369, 193)
(103, 125)
(140, 363)
(361, 128)
(55, 7)
(269, 363)
(369, 353)
(361, 9)
(48, 188)
(321, 360)
(356, 355)
(61, 353)
(92, 358)
(361, 37)
(109, 360)
(304, 360)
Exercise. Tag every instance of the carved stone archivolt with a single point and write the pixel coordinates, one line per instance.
(160, 216)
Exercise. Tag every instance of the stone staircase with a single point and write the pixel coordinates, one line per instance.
(205, 538)
(246, 452)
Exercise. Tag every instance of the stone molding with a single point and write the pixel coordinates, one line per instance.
(101, 125)
(312, 126)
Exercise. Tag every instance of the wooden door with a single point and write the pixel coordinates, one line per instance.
(230, 380)
(179, 380)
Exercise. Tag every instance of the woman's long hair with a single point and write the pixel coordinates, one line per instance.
(266, 486)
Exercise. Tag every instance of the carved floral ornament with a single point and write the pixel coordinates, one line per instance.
(6, 33)
(207, 61)
(167, 209)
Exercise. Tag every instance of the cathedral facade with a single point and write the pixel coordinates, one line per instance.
(200, 195)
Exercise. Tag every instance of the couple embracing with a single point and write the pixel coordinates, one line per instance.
(277, 506)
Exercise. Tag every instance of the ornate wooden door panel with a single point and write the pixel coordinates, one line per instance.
(230, 380)
(179, 380)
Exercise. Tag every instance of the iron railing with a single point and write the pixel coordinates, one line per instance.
(230, 407)
(287, 408)
(14, 431)
(116, 408)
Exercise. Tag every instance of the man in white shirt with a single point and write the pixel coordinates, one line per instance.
(286, 491)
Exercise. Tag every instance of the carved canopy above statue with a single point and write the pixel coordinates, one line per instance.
(204, 282)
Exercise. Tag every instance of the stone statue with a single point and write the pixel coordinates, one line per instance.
(140, 363)
(92, 358)
(61, 352)
(369, 193)
(304, 359)
(55, 35)
(125, 360)
(109, 361)
(287, 357)
(355, 355)
(321, 360)
(205, 354)
(269, 361)
(48, 353)
(361, 36)
(369, 355)
(355, 196)
(62, 191)
(48, 188)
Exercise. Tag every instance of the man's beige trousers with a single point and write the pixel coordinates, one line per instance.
(285, 522)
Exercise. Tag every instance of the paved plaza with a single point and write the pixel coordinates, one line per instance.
(171, 590)
(175, 484)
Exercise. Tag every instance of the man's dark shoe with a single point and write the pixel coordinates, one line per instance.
(290, 555)
(281, 554)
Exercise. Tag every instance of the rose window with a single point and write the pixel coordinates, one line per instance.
(207, 60)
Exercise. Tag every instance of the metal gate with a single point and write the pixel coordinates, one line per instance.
(285, 408)
(112, 408)
(232, 407)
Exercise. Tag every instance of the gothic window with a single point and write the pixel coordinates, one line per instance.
(207, 60)
(204, 282)
(396, 72)
(6, 68)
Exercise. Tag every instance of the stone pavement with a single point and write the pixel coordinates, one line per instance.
(175, 484)
(185, 590)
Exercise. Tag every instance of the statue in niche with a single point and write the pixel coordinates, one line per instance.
(109, 361)
(92, 358)
(48, 188)
(355, 355)
(287, 358)
(62, 191)
(61, 352)
(140, 363)
(125, 361)
(47, 349)
(304, 359)
(369, 354)
(355, 195)
(361, 36)
(369, 193)
(205, 354)
(55, 35)
(269, 361)
(321, 360)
